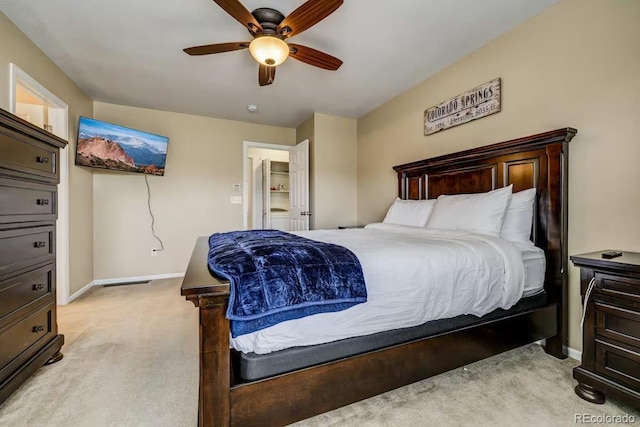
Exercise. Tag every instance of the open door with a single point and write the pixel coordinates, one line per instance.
(299, 186)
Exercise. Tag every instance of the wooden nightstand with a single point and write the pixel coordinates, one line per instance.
(611, 336)
(346, 227)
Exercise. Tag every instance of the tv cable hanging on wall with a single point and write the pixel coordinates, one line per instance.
(153, 218)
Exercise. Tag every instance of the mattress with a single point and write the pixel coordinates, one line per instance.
(534, 262)
(254, 366)
(413, 275)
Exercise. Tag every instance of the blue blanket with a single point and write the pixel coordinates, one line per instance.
(277, 276)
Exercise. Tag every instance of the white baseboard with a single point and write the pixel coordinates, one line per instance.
(101, 282)
(80, 292)
(574, 354)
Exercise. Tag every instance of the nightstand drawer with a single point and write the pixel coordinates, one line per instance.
(619, 362)
(627, 288)
(617, 323)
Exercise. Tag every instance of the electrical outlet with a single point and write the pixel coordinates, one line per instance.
(154, 251)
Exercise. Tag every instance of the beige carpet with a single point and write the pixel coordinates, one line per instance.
(131, 359)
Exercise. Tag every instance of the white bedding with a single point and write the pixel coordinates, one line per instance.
(413, 275)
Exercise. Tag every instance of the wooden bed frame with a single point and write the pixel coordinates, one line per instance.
(538, 161)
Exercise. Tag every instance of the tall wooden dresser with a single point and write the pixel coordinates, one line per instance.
(28, 177)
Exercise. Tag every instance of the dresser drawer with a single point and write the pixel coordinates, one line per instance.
(26, 246)
(26, 288)
(27, 157)
(619, 362)
(22, 201)
(626, 288)
(22, 336)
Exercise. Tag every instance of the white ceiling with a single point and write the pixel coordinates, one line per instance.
(130, 52)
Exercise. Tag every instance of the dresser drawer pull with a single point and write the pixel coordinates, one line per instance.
(42, 202)
(40, 159)
(38, 287)
(39, 244)
(37, 329)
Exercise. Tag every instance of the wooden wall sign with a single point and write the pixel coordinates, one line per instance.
(476, 103)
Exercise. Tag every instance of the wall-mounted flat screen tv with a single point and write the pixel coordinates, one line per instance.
(107, 146)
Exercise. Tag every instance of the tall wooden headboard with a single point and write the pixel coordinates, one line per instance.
(537, 161)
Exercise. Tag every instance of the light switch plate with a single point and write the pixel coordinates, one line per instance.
(236, 200)
(237, 188)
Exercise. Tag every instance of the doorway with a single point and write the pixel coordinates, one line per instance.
(34, 103)
(266, 184)
(276, 186)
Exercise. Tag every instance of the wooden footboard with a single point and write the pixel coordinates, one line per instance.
(211, 296)
(538, 161)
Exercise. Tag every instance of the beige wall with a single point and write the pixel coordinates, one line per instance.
(16, 48)
(575, 64)
(204, 160)
(333, 169)
(335, 164)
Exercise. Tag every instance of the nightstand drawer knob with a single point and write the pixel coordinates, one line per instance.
(38, 287)
(41, 159)
(39, 244)
(37, 329)
(42, 202)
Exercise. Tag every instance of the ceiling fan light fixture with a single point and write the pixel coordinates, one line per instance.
(268, 50)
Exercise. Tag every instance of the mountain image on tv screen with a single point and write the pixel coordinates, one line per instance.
(108, 146)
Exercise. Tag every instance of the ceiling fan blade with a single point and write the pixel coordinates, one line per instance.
(314, 57)
(266, 75)
(216, 48)
(307, 15)
(241, 14)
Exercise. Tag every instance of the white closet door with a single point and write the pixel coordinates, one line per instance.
(299, 186)
(256, 193)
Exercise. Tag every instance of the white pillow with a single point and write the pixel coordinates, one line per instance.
(478, 213)
(409, 212)
(519, 218)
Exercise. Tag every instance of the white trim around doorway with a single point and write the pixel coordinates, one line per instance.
(17, 76)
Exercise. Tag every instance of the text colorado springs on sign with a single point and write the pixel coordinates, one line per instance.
(478, 102)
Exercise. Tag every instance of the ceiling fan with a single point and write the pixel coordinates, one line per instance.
(270, 29)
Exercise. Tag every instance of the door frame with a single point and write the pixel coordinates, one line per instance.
(18, 76)
(245, 173)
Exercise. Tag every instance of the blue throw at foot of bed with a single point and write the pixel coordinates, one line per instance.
(277, 276)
